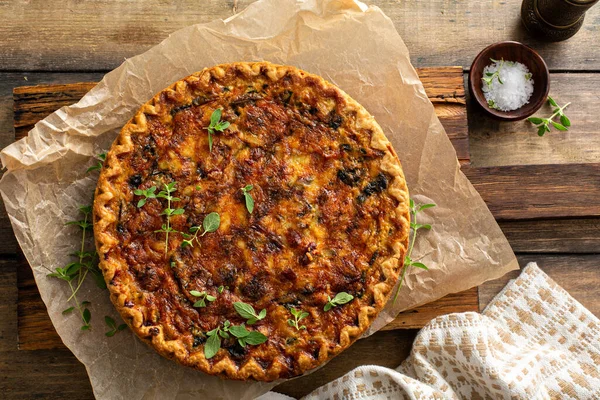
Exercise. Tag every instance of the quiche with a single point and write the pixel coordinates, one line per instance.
(251, 221)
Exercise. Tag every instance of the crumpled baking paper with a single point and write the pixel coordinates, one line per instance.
(354, 46)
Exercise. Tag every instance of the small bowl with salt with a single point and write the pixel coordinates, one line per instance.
(509, 80)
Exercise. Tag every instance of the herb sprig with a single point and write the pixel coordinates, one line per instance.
(248, 197)
(339, 299)
(216, 125)
(210, 224)
(415, 226)
(202, 298)
(169, 212)
(147, 193)
(489, 76)
(114, 329)
(245, 310)
(243, 335)
(543, 124)
(75, 272)
(101, 158)
(298, 315)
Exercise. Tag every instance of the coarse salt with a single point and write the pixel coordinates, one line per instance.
(507, 85)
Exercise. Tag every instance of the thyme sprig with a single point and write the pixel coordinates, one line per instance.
(415, 226)
(166, 193)
(147, 193)
(114, 328)
(298, 315)
(203, 297)
(543, 124)
(216, 125)
(489, 76)
(74, 273)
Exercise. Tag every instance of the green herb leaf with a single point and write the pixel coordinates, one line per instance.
(211, 222)
(200, 303)
(339, 299)
(559, 126)
(541, 130)
(425, 206)
(244, 310)
(248, 197)
(68, 310)
(535, 120)
(239, 331)
(196, 293)
(110, 322)
(552, 102)
(215, 117)
(247, 311)
(212, 346)
(87, 316)
(565, 120)
(419, 265)
(255, 338)
(215, 125)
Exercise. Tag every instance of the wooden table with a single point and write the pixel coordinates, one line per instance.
(73, 41)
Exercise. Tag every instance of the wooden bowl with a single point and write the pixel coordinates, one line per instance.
(511, 51)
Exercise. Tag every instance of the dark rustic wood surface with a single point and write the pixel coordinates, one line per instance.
(55, 42)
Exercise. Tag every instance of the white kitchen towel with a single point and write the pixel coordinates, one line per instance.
(533, 341)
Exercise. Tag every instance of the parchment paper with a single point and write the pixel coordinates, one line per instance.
(347, 43)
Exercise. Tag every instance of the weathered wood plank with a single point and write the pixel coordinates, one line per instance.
(36, 331)
(569, 235)
(443, 85)
(46, 374)
(99, 35)
(539, 191)
(8, 304)
(453, 303)
(495, 143)
(577, 274)
(8, 81)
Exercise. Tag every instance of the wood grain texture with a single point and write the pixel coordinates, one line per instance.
(453, 303)
(577, 274)
(495, 143)
(444, 87)
(520, 192)
(567, 235)
(8, 81)
(77, 35)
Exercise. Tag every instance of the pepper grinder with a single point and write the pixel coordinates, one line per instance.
(554, 20)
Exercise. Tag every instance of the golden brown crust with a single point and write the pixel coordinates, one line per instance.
(331, 215)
